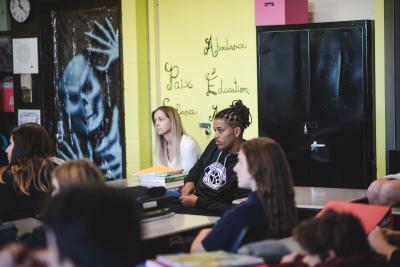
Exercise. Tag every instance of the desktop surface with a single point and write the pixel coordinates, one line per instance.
(175, 224)
(306, 197)
(317, 197)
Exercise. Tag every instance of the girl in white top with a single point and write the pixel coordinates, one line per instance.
(173, 148)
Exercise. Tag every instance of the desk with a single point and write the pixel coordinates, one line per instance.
(396, 211)
(317, 197)
(306, 197)
(175, 224)
(26, 225)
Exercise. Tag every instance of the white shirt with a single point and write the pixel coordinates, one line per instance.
(190, 153)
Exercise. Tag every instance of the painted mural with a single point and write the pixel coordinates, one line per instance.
(87, 87)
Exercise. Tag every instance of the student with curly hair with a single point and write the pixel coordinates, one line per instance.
(211, 184)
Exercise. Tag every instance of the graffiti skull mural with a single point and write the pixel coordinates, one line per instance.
(82, 95)
(89, 124)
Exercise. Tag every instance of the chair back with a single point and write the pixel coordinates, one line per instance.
(8, 233)
(250, 234)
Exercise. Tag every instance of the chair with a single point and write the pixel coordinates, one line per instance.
(249, 234)
(8, 233)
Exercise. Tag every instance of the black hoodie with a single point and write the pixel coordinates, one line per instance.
(214, 179)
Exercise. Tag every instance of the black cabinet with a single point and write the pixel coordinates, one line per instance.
(315, 97)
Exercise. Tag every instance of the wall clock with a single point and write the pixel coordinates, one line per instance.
(20, 10)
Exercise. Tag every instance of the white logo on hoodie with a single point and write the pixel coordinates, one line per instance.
(215, 174)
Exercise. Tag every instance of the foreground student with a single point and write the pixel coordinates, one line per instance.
(174, 148)
(93, 226)
(211, 184)
(86, 226)
(25, 181)
(71, 173)
(262, 167)
(333, 240)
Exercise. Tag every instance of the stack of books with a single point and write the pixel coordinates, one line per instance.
(206, 259)
(161, 176)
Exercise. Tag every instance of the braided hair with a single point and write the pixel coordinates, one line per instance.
(237, 115)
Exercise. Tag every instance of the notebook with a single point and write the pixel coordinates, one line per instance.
(209, 259)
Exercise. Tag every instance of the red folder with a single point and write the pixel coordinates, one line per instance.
(369, 215)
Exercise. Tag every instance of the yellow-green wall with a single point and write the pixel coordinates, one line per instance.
(198, 79)
(136, 84)
(380, 88)
(142, 81)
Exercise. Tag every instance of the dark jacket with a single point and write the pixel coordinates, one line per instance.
(225, 232)
(395, 258)
(215, 180)
(15, 204)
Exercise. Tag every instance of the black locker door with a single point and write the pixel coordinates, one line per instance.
(337, 106)
(283, 94)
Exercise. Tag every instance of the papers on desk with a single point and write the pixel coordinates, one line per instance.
(161, 176)
(205, 259)
(159, 170)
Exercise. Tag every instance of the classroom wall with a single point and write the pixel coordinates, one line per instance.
(136, 84)
(207, 59)
(340, 10)
(380, 88)
(175, 33)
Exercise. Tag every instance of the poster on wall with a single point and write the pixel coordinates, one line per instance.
(86, 77)
(28, 115)
(25, 55)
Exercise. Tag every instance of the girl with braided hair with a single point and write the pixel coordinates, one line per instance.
(211, 184)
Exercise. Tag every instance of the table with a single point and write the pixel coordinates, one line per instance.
(26, 225)
(175, 224)
(396, 211)
(317, 197)
(306, 197)
(178, 223)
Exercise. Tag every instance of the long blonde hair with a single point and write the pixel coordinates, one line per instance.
(30, 163)
(177, 131)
